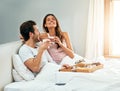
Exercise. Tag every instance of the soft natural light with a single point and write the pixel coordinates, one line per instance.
(115, 30)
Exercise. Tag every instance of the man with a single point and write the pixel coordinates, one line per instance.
(30, 54)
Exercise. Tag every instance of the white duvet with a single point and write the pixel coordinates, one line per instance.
(106, 79)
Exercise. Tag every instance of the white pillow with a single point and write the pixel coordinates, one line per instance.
(16, 76)
(22, 70)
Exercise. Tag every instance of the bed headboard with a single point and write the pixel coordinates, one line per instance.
(6, 52)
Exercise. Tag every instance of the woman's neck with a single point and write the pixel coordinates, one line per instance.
(52, 32)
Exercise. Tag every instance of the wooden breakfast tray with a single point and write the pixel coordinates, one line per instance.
(83, 67)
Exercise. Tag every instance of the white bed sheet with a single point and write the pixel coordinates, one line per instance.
(106, 79)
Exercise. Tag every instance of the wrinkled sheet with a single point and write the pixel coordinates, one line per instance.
(106, 79)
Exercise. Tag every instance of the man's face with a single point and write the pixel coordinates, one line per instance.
(36, 33)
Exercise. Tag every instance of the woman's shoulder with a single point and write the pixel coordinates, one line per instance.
(65, 34)
(67, 40)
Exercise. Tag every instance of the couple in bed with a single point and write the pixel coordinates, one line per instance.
(55, 46)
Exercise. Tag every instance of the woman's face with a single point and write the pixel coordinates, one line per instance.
(50, 22)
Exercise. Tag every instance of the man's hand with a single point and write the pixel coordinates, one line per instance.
(45, 45)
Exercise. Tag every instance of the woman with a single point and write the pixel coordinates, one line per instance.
(60, 49)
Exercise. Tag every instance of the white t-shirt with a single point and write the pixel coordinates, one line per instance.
(26, 52)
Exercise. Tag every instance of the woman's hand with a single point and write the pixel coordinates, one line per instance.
(57, 40)
(67, 66)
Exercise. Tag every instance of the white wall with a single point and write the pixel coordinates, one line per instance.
(72, 15)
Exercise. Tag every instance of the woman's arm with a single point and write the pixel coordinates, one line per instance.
(68, 51)
(68, 48)
(67, 40)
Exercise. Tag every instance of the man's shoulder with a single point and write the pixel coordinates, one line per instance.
(23, 48)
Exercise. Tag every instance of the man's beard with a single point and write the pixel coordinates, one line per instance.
(37, 39)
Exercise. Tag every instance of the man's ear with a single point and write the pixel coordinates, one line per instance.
(21, 37)
(30, 34)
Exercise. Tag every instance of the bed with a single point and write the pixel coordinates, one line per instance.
(105, 79)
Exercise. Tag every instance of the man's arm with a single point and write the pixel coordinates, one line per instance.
(34, 63)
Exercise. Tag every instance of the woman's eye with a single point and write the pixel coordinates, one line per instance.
(53, 18)
(48, 20)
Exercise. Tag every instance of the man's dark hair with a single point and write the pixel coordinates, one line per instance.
(26, 28)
